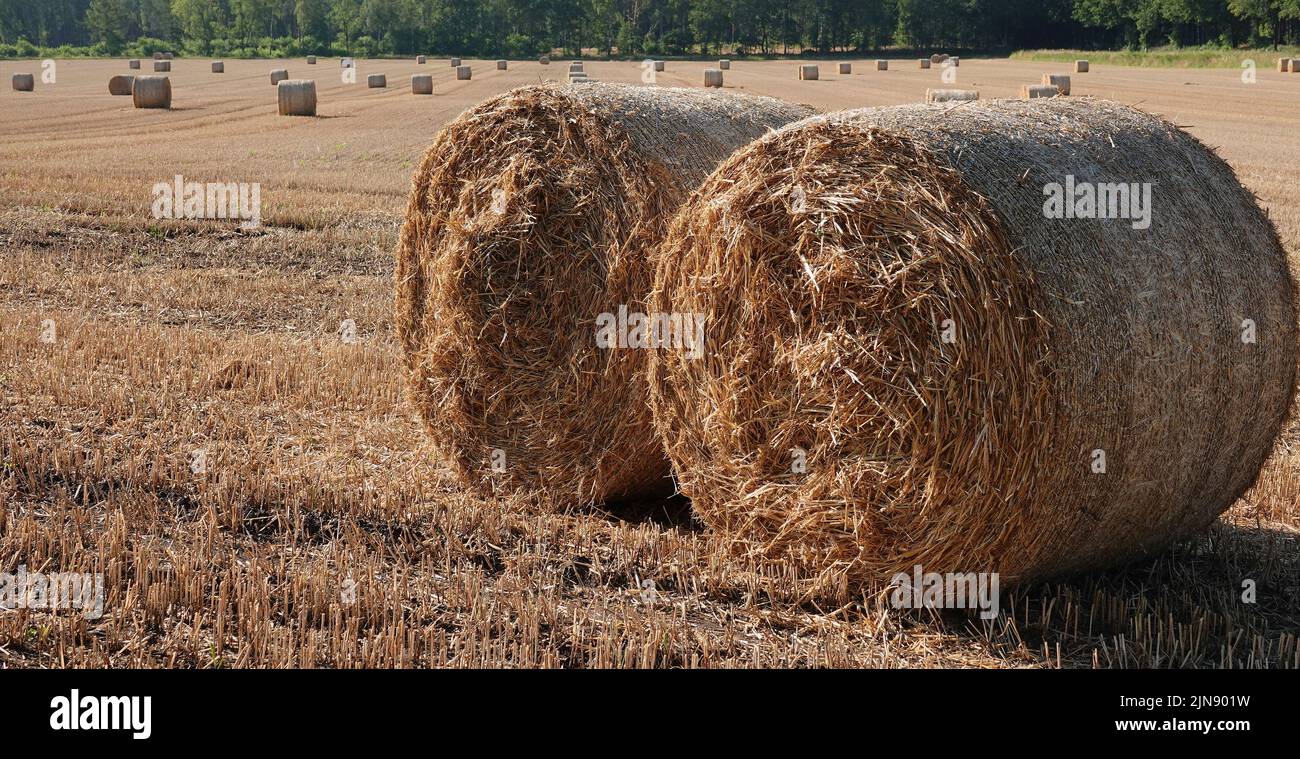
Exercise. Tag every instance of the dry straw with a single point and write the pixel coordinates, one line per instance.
(151, 92)
(808, 71)
(1060, 81)
(463, 72)
(279, 75)
(908, 364)
(120, 85)
(422, 84)
(945, 96)
(377, 81)
(846, 68)
(712, 77)
(23, 82)
(162, 66)
(218, 67)
(1035, 91)
(532, 214)
(297, 97)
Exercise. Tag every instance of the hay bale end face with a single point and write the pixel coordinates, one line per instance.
(724, 64)
(808, 71)
(120, 85)
(958, 369)
(1035, 91)
(882, 65)
(377, 81)
(23, 82)
(279, 75)
(463, 72)
(218, 67)
(162, 66)
(151, 92)
(1283, 64)
(1061, 81)
(421, 60)
(948, 96)
(1295, 65)
(297, 97)
(846, 68)
(1080, 67)
(422, 84)
(925, 63)
(531, 215)
(455, 62)
(311, 60)
(134, 63)
(712, 77)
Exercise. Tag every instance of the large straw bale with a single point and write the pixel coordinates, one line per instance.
(120, 85)
(151, 92)
(297, 97)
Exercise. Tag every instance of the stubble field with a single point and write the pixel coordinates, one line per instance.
(320, 528)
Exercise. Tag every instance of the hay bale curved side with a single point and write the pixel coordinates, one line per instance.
(151, 92)
(23, 82)
(530, 216)
(890, 306)
(297, 97)
(120, 85)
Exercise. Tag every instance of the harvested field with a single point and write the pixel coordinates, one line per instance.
(322, 528)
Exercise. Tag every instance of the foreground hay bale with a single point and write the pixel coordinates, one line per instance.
(887, 298)
(218, 67)
(120, 85)
(712, 77)
(502, 65)
(377, 81)
(297, 97)
(463, 72)
(422, 84)
(724, 64)
(134, 63)
(279, 75)
(846, 68)
(162, 66)
(808, 71)
(151, 92)
(1060, 81)
(1081, 67)
(531, 215)
(1035, 91)
(23, 82)
(945, 96)
(882, 65)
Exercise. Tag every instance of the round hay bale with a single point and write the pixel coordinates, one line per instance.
(1060, 81)
(887, 296)
(347, 63)
(1283, 64)
(1035, 91)
(947, 96)
(882, 65)
(421, 60)
(925, 63)
(422, 84)
(455, 62)
(157, 56)
(23, 82)
(724, 64)
(953, 61)
(120, 85)
(545, 60)
(531, 215)
(463, 72)
(297, 97)
(151, 92)
(808, 71)
(575, 67)
(311, 60)
(168, 56)
(1295, 66)
(218, 67)
(846, 68)
(377, 81)
(659, 65)
(279, 75)
(134, 63)
(1080, 67)
(502, 65)
(162, 66)
(712, 77)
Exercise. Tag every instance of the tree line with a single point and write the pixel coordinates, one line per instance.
(273, 28)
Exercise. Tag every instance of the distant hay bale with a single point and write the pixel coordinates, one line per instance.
(1061, 81)
(120, 85)
(1035, 91)
(311, 60)
(846, 68)
(712, 77)
(659, 65)
(1283, 64)
(938, 58)
(23, 82)
(421, 60)
(575, 67)
(422, 84)
(808, 71)
(297, 97)
(954, 61)
(157, 56)
(151, 92)
(463, 72)
(948, 96)
(377, 81)
(963, 381)
(134, 63)
(882, 65)
(455, 62)
(724, 64)
(1080, 67)
(162, 66)
(347, 63)
(925, 63)
(168, 56)
(531, 215)
(218, 67)
(545, 60)
(503, 64)
(279, 75)
(1295, 65)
